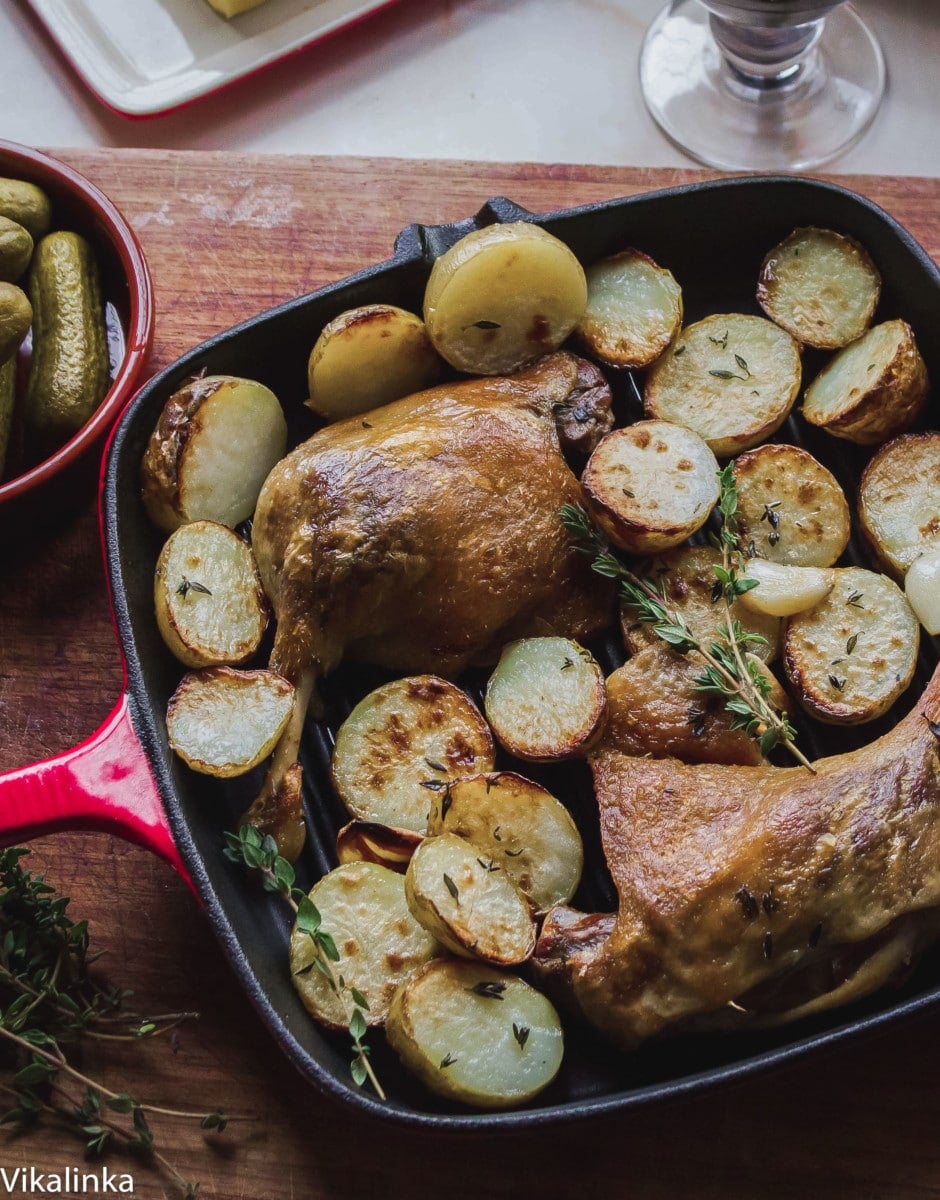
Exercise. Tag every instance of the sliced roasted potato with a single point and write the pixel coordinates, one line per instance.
(215, 442)
(651, 486)
(634, 310)
(783, 590)
(849, 658)
(656, 710)
(791, 509)
(223, 722)
(922, 588)
(518, 826)
(899, 500)
(470, 904)
(732, 378)
(821, 286)
(687, 579)
(363, 908)
(367, 357)
(403, 743)
(503, 296)
(476, 1035)
(873, 389)
(367, 841)
(211, 607)
(545, 699)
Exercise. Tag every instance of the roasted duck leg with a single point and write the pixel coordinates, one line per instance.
(750, 896)
(424, 535)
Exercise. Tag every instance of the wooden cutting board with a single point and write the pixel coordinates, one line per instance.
(226, 236)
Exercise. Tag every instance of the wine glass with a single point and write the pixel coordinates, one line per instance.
(764, 85)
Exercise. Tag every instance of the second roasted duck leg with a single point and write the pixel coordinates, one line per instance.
(750, 896)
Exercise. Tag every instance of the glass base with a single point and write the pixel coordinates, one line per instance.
(724, 119)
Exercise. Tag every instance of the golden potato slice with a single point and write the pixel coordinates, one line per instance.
(213, 446)
(367, 841)
(899, 500)
(791, 509)
(731, 378)
(503, 296)
(922, 588)
(655, 709)
(403, 743)
(367, 357)
(687, 579)
(223, 722)
(634, 310)
(873, 389)
(468, 902)
(363, 909)
(849, 658)
(476, 1035)
(211, 607)
(518, 826)
(545, 699)
(821, 286)
(783, 590)
(650, 486)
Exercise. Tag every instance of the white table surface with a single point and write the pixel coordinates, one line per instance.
(532, 80)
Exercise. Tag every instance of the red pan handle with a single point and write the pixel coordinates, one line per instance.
(103, 784)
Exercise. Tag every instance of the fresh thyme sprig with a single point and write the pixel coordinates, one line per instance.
(249, 849)
(49, 1000)
(728, 671)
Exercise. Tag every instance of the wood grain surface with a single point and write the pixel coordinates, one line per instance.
(227, 236)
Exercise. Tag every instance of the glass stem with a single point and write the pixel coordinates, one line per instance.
(765, 58)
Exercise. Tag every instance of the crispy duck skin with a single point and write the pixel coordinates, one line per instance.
(425, 534)
(753, 895)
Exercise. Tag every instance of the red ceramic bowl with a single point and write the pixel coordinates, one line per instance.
(48, 488)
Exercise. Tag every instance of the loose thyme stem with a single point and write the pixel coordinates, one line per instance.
(672, 627)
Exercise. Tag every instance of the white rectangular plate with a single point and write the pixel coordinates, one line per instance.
(144, 57)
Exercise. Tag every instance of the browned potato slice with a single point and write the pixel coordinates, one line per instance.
(820, 286)
(899, 500)
(476, 1035)
(211, 608)
(215, 442)
(849, 658)
(791, 509)
(503, 296)
(367, 357)
(403, 743)
(634, 310)
(380, 944)
(651, 486)
(656, 710)
(545, 700)
(687, 577)
(367, 841)
(873, 389)
(783, 590)
(223, 722)
(731, 378)
(518, 826)
(468, 902)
